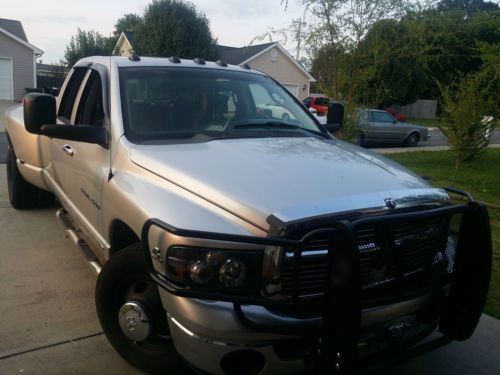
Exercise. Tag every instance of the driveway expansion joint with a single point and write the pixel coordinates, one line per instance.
(81, 338)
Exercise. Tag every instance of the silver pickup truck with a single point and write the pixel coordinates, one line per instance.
(239, 241)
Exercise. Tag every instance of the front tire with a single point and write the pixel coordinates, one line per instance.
(124, 280)
(361, 140)
(412, 140)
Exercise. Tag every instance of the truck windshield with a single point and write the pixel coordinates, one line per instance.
(165, 102)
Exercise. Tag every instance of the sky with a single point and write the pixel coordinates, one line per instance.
(49, 24)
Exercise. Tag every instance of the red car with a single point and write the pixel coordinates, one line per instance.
(397, 115)
(319, 103)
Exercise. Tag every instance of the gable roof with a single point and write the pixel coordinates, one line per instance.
(125, 35)
(236, 56)
(14, 29)
(239, 56)
(129, 35)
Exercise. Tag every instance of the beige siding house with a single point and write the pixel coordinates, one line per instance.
(123, 46)
(274, 60)
(17, 61)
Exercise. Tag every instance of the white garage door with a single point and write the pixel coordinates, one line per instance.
(292, 88)
(5, 79)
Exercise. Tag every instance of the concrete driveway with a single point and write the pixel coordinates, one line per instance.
(48, 322)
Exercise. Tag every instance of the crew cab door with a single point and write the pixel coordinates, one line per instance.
(78, 169)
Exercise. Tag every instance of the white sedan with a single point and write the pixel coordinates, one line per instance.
(321, 119)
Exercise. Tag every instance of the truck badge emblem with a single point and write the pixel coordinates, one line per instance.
(390, 203)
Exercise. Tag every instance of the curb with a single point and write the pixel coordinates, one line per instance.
(417, 149)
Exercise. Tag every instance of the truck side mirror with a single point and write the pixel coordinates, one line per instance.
(39, 109)
(335, 114)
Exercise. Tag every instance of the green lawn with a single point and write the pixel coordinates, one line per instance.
(424, 122)
(480, 177)
(433, 122)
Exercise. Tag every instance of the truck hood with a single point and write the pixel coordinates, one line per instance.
(289, 178)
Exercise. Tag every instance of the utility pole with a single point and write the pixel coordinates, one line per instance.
(298, 37)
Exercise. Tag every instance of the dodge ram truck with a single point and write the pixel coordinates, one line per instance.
(238, 242)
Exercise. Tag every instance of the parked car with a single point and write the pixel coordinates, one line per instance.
(240, 244)
(321, 119)
(376, 126)
(319, 103)
(275, 111)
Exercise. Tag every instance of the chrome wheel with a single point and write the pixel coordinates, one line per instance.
(132, 315)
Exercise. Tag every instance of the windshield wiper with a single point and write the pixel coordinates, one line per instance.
(277, 125)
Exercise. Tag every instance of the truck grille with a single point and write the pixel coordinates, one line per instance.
(409, 255)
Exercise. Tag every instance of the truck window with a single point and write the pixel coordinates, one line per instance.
(172, 103)
(70, 92)
(90, 109)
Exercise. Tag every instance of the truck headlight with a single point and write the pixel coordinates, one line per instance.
(217, 270)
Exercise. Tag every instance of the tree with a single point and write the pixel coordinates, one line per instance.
(468, 6)
(126, 23)
(398, 61)
(389, 64)
(87, 43)
(342, 24)
(174, 28)
(449, 44)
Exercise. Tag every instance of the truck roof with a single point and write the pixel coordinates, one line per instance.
(121, 61)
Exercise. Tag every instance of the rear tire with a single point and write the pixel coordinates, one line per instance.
(22, 194)
(412, 140)
(124, 278)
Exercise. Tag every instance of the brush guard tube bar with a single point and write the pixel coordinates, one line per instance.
(342, 306)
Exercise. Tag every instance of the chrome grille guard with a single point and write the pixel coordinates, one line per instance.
(342, 304)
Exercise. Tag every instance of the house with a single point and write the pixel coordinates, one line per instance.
(270, 58)
(275, 61)
(123, 46)
(17, 60)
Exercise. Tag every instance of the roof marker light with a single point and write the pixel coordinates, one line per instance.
(221, 63)
(134, 57)
(199, 60)
(246, 66)
(174, 59)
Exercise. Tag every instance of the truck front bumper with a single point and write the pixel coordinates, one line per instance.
(211, 337)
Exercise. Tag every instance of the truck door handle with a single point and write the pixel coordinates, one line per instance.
(69, 150)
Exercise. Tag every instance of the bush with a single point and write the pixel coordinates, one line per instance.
(466, 120)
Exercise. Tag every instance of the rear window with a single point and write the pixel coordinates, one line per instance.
(322, 101)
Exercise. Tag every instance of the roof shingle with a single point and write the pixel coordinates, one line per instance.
(14, 27)
(236, 56)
